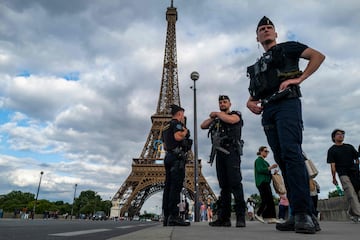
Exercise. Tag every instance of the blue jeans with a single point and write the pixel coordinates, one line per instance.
(283, 126)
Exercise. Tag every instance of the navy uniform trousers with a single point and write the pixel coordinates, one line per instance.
(283, 126)
(229, 176)
(174, 178)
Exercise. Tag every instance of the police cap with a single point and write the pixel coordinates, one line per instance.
(175, 108)
(223, 97)
(265, 21)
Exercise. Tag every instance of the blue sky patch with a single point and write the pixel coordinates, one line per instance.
(72, 76)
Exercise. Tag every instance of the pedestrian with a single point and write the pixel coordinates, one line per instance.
(181, 207)
(314, 193)
(177, 143)
(209, 209)
(250, 205)
(227, 124)
(203, 212)
(344, 160)
(283, 207)
(262, 169)
(275, 93)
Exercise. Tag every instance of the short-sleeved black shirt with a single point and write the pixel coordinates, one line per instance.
(168, 134)
(343, 156)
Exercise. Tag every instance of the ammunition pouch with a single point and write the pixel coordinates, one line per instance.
(258, 83)
(182, 150)
(179, 152)
(240, 146)
(186, 144)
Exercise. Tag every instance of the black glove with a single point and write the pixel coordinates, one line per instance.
(188, 134)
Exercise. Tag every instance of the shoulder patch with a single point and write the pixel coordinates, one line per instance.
(179, 126)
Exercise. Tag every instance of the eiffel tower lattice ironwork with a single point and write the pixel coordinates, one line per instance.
(148, 172)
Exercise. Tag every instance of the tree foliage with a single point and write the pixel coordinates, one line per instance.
(88, 202)
(16, 200)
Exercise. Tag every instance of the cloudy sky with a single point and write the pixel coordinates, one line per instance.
(80, 80)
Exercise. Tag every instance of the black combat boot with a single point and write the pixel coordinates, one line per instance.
(220, 223)
(177, 221)
(316, 223)
(165, 222)
(304, 224)
(240, 221)
(288, 225)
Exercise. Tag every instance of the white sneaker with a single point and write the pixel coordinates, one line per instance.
(273, 220)
(259, 218)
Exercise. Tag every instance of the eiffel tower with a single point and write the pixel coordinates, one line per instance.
(148, 172)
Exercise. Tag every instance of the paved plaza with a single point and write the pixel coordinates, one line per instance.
(253, 230)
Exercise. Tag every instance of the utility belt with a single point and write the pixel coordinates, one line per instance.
(178, 152)
(292, 91)
(235, 144)
(228, 144)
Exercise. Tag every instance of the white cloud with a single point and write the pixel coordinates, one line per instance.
(74, 130)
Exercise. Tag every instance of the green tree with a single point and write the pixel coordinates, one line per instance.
(16, 200)
(88, 202)
(63, 207)
(334, 193)
(106, 206)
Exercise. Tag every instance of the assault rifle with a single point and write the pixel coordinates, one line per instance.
(216, 139)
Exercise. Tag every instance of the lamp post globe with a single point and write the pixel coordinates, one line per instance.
(194, 76)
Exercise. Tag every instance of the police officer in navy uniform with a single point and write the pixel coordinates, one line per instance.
(228, 162)
(274, 93)
(176, 143)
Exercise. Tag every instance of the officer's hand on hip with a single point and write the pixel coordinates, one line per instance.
(254, 106)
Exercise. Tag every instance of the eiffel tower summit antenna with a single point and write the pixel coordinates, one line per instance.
(147, 176)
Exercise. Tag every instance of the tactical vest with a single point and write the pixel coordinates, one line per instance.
(270, 71)
(231, 132)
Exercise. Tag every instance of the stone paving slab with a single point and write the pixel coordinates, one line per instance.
(253, 230)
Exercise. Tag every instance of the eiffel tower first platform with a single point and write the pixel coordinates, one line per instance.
(148, 172)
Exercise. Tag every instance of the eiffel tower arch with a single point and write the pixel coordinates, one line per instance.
(147, 176)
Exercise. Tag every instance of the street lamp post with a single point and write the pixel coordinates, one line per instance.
(37, 194)
(195, 76)
(72, 207)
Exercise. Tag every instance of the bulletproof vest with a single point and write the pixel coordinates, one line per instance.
(269, 71)
(231, 131)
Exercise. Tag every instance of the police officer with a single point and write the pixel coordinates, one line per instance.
(274, 92)
(228, 162)
(176, 143)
